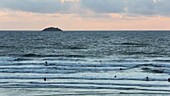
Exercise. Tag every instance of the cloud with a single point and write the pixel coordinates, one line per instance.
(63, 1)
(37, 6)
(129, 7)
(86, 7)
(141, 7)
(104, 6)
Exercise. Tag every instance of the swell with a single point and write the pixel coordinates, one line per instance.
(82, 87)
(35, 55)
(87, 83)
(133, 44)
(89, 78)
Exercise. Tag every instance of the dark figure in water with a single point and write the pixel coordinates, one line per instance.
(121, 69)
(45, 79)
(46, 63)
(147, 78)
(115, 76)
(168, 79)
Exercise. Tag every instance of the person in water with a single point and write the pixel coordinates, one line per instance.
(147, 78)
(168, 79)
(45, 79)
(46, 63)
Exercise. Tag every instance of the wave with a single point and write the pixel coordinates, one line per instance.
(56, 70)
(67, 46)
(139, 53)
(98, 88)
(22, 59)
(7, 46)
(153, 70)
(161, 60)
(133, 44)
(35, 55)
(74, 47)
(86, 78)
(81, 87)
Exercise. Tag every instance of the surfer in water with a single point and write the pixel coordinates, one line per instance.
(46, 63)
(45, 79)
(147, 78)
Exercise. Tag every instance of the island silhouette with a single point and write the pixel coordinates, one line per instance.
(52, 29)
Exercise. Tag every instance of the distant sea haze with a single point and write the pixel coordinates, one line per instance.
(35, 63)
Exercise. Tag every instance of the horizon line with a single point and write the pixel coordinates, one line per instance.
(90, 30)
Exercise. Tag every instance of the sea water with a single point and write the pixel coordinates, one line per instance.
(93, 63)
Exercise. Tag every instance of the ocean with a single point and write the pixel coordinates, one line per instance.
(90, 63)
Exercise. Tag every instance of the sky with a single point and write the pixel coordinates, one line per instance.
(85, 14)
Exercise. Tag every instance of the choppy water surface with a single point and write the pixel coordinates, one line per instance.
(84, 63)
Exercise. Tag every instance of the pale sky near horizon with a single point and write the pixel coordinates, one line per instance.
(85, 14)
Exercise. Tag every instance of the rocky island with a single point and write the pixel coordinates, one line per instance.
(51, 29)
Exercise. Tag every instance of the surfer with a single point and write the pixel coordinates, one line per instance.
(147, 78)
(46, 63)
(45, 79)
(168, 79)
